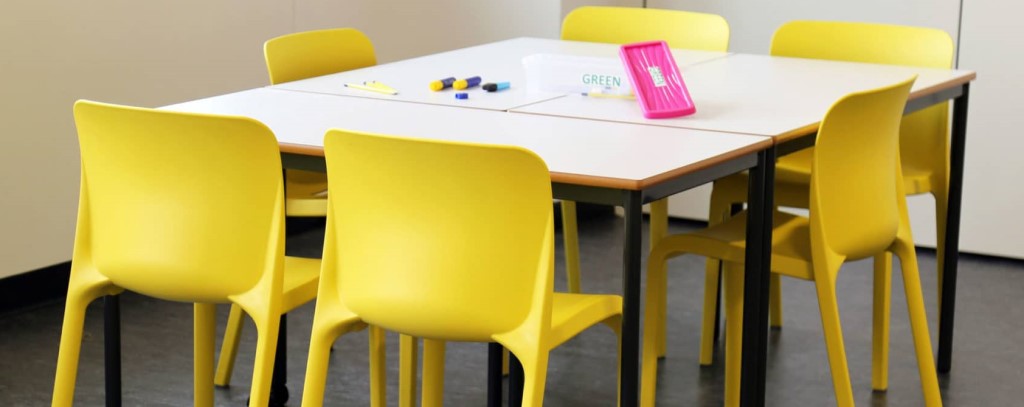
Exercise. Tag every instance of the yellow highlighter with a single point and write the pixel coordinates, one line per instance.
(373, 86)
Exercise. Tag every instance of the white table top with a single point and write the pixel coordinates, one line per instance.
(584, 152)
(494, 62)
(759, 94)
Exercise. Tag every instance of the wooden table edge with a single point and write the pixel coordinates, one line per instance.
(596, 181)
(638, 185)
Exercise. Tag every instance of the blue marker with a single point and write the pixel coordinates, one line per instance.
(494, 87)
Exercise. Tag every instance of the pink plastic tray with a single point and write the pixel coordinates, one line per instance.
(656, 80)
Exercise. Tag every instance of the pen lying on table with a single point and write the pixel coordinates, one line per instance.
(609, 95)
(373, 86)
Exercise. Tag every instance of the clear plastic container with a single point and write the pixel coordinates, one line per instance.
(575, 74)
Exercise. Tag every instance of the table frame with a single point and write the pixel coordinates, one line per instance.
(951, 244)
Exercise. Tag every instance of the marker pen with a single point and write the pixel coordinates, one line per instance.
(466, 83)
(441, 84)
(494, 87)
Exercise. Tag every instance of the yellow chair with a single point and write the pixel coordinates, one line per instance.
(923, 139)
(444, 241)
(857, 210)
(623, 25)
(181, 207)
(289, 58)
(305, 55)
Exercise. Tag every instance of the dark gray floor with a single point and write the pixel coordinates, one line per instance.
(988, 364)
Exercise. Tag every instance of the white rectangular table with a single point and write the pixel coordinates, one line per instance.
(495, 62)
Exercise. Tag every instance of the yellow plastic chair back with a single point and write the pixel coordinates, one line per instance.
(414, 241)
(854, 192)
(180, 207)
(308, 54)
(864, 42)
(924, 133)
(624, 25)
(858, 209)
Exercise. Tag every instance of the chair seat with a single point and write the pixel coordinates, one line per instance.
(306, 193)
(917, 179)
(793, 179)
(791, 249)
(573, 313)
(301, 278)
(796, 169)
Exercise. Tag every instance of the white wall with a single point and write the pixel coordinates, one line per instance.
(403, 29)
(151, 53)
(991, 43)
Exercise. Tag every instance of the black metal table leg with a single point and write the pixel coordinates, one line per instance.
(756, 279)
(112, 349)
(630, 363)
(494, 352)
(951, 248)
(515, 381)
(279, 381)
